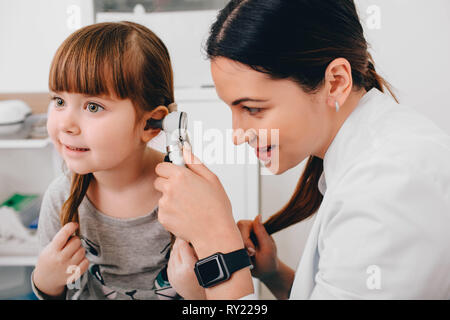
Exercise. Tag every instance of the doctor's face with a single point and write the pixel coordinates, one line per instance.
(277, 118)
(92, 133)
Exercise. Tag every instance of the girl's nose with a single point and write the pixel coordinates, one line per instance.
(69, 123)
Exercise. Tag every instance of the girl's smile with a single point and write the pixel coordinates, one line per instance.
(74, 151)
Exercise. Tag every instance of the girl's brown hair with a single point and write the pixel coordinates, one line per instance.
(296, 40)
(124, 60)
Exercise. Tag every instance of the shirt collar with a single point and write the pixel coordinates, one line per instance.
(346, 140)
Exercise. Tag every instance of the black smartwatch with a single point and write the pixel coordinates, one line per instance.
(219, 267)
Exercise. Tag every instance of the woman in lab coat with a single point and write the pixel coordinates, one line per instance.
(377, 177)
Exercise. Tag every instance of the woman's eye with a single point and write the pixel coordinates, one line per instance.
(93, 107)
(252, 111)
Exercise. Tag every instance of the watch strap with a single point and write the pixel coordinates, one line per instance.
(237, 260)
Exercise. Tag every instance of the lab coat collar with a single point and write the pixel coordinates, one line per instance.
(349, 141)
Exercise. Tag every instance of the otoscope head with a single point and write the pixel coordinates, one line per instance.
(174, 125)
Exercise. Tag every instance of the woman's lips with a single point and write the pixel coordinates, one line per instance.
(265, 154)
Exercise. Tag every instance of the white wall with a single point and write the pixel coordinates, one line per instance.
(30, 33)
(411, 48)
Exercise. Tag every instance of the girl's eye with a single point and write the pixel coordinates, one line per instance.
(252, 111)
(58, 102)
(93, 107)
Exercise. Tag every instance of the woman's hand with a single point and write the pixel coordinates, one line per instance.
(181, 271)
(195, 207)
(263, 253)
(277, 276)
(54, 265)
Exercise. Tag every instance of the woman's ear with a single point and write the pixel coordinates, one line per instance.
(338, 82)
(148, 132)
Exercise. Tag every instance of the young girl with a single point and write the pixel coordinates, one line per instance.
(107, 81)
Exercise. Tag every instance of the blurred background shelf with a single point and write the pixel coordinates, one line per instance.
(24, 143)
(10, 261)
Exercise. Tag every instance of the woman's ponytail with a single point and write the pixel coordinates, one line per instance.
(374, 80)
(305, 201)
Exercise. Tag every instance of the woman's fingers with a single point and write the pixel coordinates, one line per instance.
(262, 237)
(194, 163)
(166, 169)
(160, 184)
(245, 227)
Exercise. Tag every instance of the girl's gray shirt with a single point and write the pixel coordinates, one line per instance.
(127, 257)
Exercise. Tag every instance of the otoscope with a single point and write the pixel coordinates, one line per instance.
(174, 126)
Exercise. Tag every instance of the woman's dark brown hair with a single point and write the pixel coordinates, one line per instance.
(124, 60)
(296, 40)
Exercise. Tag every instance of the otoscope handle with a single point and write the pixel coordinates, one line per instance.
(175, 157)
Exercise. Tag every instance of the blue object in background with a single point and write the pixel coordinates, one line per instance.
(34, 224)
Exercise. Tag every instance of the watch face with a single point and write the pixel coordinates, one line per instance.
(211, 271)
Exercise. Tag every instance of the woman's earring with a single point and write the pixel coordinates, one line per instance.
(337, 106)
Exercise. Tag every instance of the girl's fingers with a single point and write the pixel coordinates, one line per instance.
(84, 265)
(63, 235)
(187, 253)
(79, 255)
(176, 251)
(71, 247)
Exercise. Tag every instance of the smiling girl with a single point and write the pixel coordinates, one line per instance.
(107, 81)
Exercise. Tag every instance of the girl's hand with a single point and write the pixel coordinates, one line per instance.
(181, 271)
(195, 207)
(57, 261)
(263, 253)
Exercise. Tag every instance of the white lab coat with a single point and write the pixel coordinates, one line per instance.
(383, 228)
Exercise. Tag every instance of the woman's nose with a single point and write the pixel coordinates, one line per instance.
(238, 131)
(242, 134)
(245, 136)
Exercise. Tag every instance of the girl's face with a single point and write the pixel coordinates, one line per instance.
(284, 124)
(92, 133)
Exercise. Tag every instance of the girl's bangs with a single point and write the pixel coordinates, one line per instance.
(91, 63)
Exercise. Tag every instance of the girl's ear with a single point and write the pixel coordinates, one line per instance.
(148, 132)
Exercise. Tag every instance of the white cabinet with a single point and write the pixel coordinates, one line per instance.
(26, 167)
